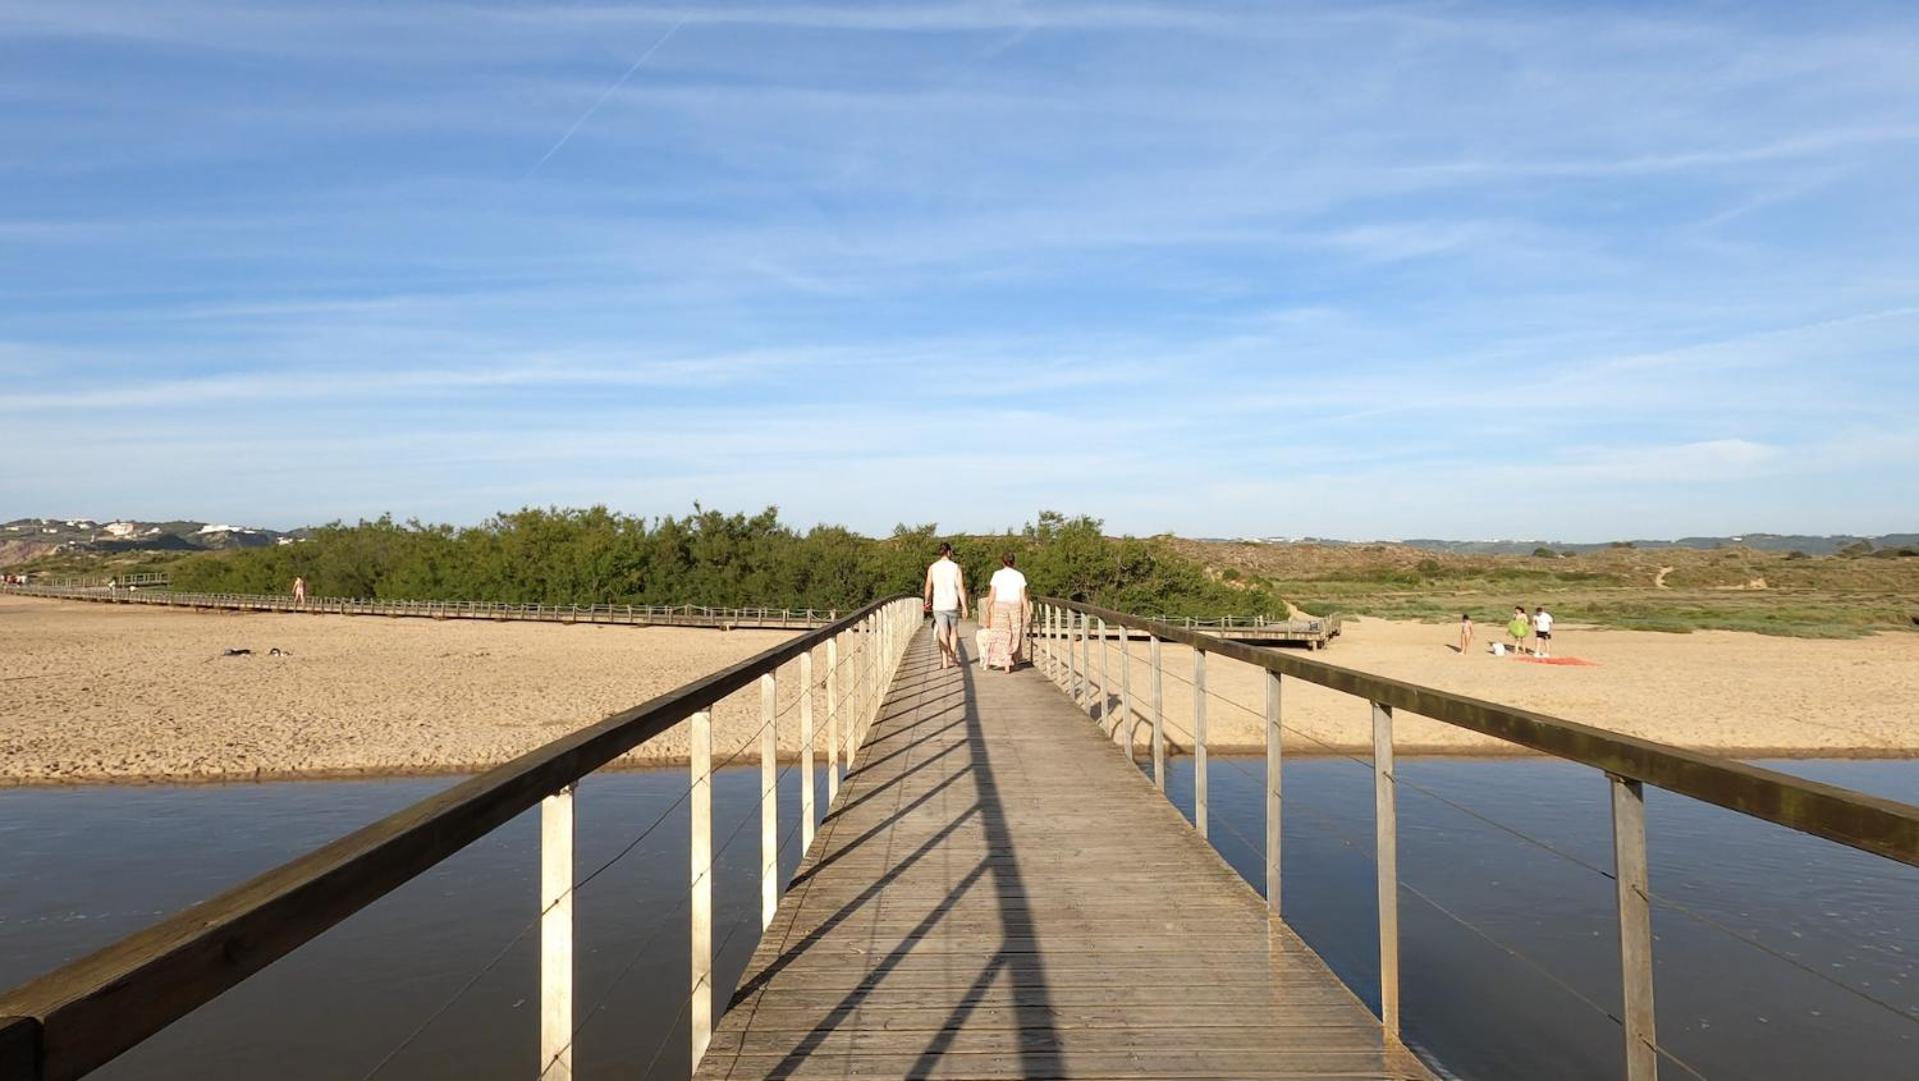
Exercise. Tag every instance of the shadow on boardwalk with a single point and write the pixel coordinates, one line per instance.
(1000, 894)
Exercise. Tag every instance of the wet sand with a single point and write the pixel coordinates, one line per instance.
(94, 692)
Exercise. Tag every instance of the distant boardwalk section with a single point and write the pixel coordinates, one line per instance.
(639, 615)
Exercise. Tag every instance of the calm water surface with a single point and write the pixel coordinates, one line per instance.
(1508, 955)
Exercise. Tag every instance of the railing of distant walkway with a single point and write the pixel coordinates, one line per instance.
(71, 1021)
(1068, 634)
(693, 615)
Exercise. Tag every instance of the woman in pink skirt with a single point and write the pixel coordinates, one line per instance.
(1007, 610)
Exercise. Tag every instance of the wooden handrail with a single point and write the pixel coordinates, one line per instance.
(1883, 827)
(80, 1016)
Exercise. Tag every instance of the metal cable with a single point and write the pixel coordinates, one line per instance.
(449, 1003)
(1901, 1012)
(1898, 1011)
(581, 883)
(659, 928)
(1895, 1010)
(1415, 786)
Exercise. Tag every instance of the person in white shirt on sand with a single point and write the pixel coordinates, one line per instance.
(946, 598)
(1542, 632)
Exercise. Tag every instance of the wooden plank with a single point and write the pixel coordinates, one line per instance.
(1199, 742)
(770, 884)
(808, 815)
(556, 936)
(1274, 775)
(832, 719)
(700, 879)
(999, 893)
(1386, 865)
(1635, 928)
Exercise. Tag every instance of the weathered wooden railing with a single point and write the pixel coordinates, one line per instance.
(675, 615)
(1067, 633)
(70, 1021)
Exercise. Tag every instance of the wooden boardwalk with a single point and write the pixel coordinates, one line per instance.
(999, 893)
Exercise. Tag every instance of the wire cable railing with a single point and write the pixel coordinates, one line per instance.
(1331, 750)
(663, 921)
(1064, 638)
(67, 1023)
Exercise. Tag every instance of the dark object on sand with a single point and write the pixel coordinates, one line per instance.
(237, 653)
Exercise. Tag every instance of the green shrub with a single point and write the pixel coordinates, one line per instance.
(595, 556)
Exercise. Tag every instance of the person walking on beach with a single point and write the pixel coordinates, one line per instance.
(1465, 632)
(946, 596)
(1009, 608)
(1519, 626)
(299, 590)
(1542, 632)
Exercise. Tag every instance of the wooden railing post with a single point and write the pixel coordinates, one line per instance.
(1128, 717)
(1159, 719)
(1386, 849)
(1069, 643)
(1274, 774)
(1083, 685)
(1105, 677)
(699, 755)
(1054, 612)
(871, 707)
(806, 750)
(1046, 636)
(1635, 926)
(556, 936)
(20, 1049)
(1199, 740)
(769, 799)
(832, 719)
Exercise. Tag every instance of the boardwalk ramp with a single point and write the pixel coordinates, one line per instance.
(1000, 893)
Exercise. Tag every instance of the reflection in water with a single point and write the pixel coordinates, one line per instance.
(87, 865)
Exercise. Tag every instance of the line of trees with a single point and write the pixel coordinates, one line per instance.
(596, 556)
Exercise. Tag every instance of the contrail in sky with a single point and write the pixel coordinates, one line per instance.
(617, 83)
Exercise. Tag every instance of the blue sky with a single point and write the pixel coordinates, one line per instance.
(1348, 269)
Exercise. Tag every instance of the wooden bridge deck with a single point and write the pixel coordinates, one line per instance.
(999, 893)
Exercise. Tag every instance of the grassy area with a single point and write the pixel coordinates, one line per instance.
(1670, 590)
(1798, 615)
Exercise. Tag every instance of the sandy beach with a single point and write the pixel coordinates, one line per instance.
(1727, 692)
(94, 692)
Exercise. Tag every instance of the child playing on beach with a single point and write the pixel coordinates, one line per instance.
(1519, 627)
(1465, 632)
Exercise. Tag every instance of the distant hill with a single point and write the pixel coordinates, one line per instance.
(1764, 542)
(32, 538)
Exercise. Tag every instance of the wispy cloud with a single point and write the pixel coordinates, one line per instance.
(1222, 266)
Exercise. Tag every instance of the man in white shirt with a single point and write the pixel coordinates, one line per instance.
(946, 596)
(1543, 631)
(1008, 608)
